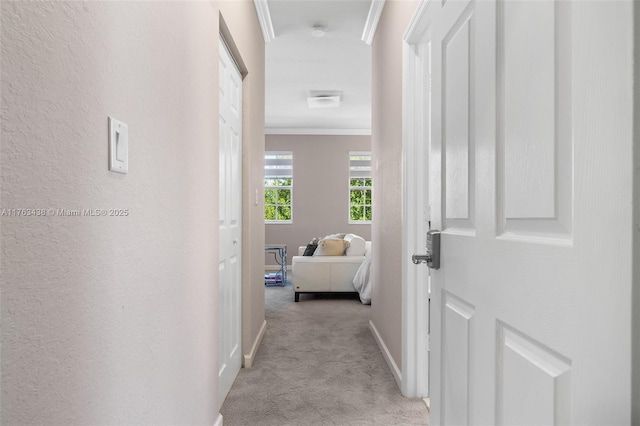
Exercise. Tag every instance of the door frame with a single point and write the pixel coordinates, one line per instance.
(415, 216)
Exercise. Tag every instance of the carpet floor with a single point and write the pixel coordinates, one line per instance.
(318, 365)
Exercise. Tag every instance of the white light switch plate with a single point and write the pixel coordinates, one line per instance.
(118, 146)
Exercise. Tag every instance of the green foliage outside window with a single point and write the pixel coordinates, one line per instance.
(277, 199)
(360, 199)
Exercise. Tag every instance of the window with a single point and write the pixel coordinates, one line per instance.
(360, 188)
(278, 186)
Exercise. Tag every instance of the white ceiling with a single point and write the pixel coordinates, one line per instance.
(297, 63)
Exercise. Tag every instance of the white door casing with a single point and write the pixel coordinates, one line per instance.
(230, 222)
(531, 179)
(416, 210)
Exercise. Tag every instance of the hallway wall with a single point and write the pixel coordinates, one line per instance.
(386, 141)
(320, 189)
(113, 320)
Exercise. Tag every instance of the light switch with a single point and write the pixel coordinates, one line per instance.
(118, 146)
(120, 152)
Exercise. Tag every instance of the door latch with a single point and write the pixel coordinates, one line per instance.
(432, 257)
(420, 258)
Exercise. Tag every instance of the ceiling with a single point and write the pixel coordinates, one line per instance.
(298, 63)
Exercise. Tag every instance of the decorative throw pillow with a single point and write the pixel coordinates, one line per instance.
(331, 247)
(311, 248)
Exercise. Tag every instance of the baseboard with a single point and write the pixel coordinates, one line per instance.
(218, 420)
(397, 374)
(248, 359)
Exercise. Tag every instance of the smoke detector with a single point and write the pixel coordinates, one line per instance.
(318, 30)
(326, 99)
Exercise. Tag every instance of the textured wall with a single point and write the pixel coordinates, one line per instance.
(113, 320)
(320, 189)
(386, 141)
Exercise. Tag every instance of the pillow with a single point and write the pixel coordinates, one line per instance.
(357, 245)
(331, 247)
(311, 248)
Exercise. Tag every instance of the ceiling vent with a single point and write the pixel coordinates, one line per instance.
(320, 99)
(318, 30)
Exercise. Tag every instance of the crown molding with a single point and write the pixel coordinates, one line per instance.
(372, 20)
(305, 131)
(264, 18)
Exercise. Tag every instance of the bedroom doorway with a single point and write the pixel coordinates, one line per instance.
(230, 224)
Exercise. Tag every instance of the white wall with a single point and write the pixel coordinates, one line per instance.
(113, 320)
(386, 141)
(320, 189)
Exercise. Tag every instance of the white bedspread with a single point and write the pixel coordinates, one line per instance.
(361, 280)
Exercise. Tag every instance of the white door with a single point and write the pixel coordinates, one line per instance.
(531, 168)
(230, 221)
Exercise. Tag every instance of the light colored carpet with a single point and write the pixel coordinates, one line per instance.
(318, 365)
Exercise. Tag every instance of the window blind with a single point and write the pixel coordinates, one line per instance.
(360, 165)
(278, 164)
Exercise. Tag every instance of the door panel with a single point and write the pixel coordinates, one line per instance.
(534, 118)
(456, 353)
(533, 381)
(458, 149)
(529, 108)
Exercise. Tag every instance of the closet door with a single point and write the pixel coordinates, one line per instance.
(230, 222)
